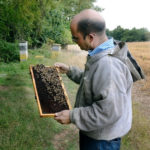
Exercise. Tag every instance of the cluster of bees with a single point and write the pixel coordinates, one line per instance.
(50, 91)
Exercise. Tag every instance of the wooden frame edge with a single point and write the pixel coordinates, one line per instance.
(36, 93)
(37, 97)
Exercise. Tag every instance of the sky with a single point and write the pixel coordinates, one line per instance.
(126, 13)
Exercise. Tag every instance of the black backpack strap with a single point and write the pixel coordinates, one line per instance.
(139, 74)
(135, 69)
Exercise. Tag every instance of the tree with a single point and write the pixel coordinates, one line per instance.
(129, 35)
(38, 20)
(58, 20)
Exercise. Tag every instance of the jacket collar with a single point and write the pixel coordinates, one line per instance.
(120, 50)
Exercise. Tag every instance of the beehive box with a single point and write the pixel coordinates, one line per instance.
(23, 51)
(49, 90)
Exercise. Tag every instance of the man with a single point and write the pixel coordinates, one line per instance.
(103, 107)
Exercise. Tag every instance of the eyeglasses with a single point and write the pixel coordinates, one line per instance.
(75, 39)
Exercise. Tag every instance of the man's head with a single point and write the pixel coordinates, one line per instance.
(88, 29)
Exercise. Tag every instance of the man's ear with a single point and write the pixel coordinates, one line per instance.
(91, 36)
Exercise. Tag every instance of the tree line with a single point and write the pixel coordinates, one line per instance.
(129, 35)
(47, 21)
(39, 21)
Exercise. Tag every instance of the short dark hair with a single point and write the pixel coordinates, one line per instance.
(87, 26)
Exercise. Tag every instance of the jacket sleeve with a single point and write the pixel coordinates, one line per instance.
(75, 74)
(109, 86)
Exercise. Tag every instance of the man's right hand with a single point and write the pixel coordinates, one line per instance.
(63, 68)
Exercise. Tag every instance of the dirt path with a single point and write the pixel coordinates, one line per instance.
(141, 96)
(66, 137)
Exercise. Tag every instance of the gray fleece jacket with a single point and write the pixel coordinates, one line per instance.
(103, 107)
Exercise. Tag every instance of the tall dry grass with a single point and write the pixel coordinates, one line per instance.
(73, 58)
(141, 52)
(138, 137)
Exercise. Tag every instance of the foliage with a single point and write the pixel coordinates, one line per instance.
(36, 21)
(58, 20)
(8, 52)
(23, 20)
(57, 27)
(129, 35)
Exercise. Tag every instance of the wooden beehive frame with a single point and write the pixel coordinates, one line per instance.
(37, 97)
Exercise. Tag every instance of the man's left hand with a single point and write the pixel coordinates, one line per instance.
(63, 117)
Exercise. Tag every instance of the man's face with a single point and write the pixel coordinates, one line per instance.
(78, 38)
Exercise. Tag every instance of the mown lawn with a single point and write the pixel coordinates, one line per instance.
(21, 128)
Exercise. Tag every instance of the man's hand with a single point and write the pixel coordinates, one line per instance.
(62, 67)
(62, 117)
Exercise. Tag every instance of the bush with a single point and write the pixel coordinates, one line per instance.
(9, 52)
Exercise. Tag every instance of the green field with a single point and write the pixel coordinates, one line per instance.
(21, 128)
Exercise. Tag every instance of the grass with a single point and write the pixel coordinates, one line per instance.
(141, 51)
(21, 128)
(138, 137)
